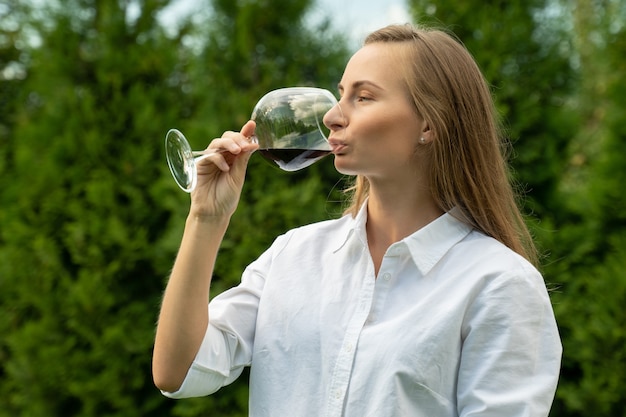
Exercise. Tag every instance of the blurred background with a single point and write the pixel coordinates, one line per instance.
(90, 219)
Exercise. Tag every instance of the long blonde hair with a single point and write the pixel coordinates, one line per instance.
(467, 155)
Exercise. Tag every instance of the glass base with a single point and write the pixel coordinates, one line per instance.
(180, 159)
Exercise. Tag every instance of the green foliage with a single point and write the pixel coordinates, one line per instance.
(91, 219)
(590, 306)
(590, 265)
(82, 237)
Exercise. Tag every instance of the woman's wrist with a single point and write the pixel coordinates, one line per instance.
(201, 218)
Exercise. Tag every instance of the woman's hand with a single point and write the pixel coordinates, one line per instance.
(222, 173)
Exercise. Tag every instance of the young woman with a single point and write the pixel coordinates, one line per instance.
(422, 300)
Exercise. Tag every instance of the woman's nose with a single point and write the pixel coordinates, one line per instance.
(334, 118)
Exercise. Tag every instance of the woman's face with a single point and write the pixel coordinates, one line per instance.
(379, 130)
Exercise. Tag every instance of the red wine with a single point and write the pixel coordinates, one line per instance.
(293, 159)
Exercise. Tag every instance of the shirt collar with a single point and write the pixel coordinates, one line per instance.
(352, 227)
(427, 245)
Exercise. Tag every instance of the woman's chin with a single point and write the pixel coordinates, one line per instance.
(344, 167)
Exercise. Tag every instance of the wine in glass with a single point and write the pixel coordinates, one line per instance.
(289, 131)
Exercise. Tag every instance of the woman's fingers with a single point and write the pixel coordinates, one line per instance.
(248, 129)
(222, 151)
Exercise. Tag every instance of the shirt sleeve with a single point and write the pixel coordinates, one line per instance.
(211, 369)
(511, 353)
(227, 345)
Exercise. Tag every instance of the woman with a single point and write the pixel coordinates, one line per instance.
(421, 301)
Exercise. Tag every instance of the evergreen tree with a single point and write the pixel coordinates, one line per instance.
(83, 246)
(91, 219)
(13, 61)
(589, 242)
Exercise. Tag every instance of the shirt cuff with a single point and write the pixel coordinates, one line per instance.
(211, 368)
(199, 382)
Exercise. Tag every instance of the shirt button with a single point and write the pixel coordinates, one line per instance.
(387, 276)
(337, 394)
(349, 347)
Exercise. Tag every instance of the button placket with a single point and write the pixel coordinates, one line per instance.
(345, 358)
(383, 284)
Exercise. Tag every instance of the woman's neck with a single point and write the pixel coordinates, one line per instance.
(393, 215)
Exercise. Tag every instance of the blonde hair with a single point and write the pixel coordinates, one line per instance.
(467, 156)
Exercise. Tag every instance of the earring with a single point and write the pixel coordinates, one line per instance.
(422, 140)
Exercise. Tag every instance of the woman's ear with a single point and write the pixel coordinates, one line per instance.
(426, 135)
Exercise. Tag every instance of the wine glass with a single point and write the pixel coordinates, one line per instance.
(289, 131)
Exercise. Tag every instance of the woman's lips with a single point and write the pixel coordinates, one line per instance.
(336, 146)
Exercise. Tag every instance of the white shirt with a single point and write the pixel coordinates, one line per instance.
(455, 324)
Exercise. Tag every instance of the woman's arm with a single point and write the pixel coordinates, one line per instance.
(184, 316)
(183, 319)
(511, 351)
